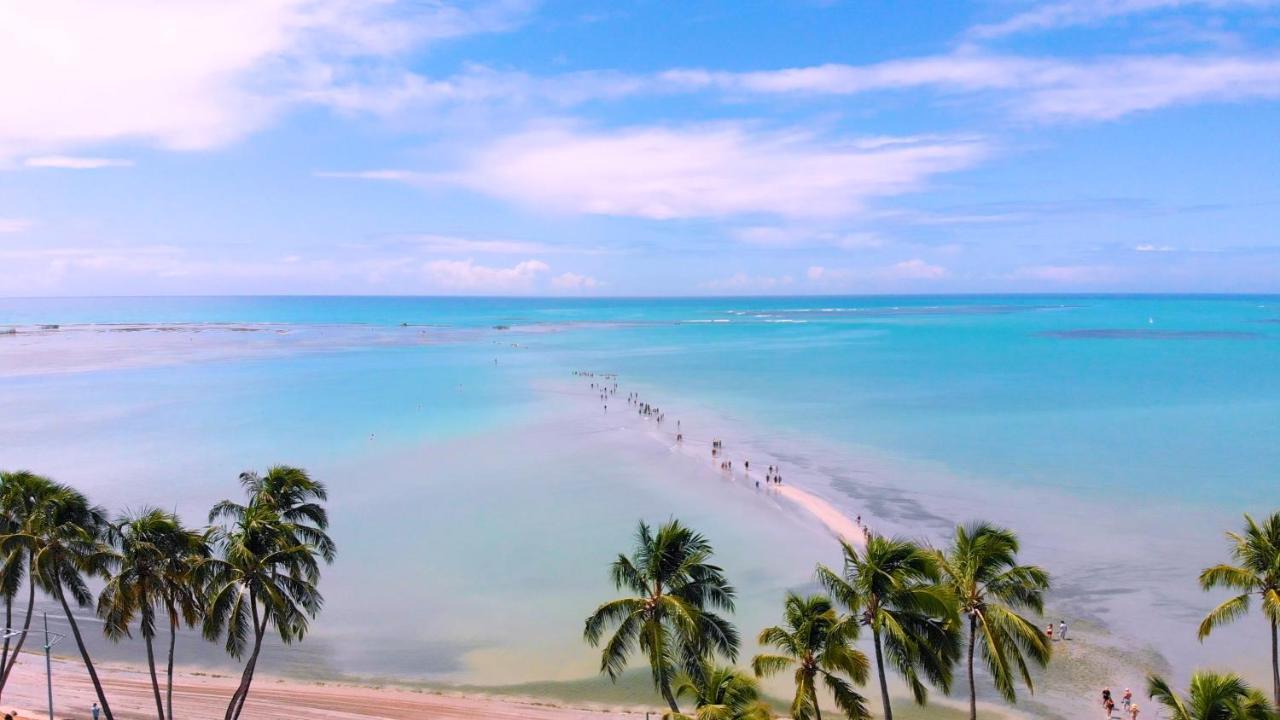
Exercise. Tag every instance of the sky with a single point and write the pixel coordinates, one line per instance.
(638, 148)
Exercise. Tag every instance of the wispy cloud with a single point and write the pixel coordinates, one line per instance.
(1067, 274)
(71, 162)
(744, 282)
(704, 171)
(14, 225)
(1045, 89)
(913, 269)
(768, 236)
(446, 244)
(1056, 15)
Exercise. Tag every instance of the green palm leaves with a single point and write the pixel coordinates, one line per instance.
(157, 561)
(670, 615)
(981, 572)
(1212, 696)
(891, 587)
(720, 693)
(1256, 573)
(818, 644)
(60, 533)
(264, 575)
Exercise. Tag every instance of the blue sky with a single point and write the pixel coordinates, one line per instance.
(639, 148)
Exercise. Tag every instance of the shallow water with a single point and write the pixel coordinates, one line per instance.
(477, 503)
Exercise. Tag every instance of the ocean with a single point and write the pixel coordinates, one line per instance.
(479, 488)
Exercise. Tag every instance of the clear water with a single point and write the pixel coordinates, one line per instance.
(477, 502)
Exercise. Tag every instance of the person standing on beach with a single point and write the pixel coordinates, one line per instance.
(95, 711)
(1049, 632)
(1133, 712)
(1062, 630)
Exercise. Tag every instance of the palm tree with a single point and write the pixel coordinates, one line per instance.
(150, 545)
(892, 588)
(1257, 572)
(817, 643)
(1212, 696)
(720, 693)
(267, 572)
(670, 617)
(62, 536)
(982, 572)
(18, 495)
(183, 594)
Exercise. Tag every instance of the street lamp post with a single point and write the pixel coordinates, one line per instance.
(50, 639)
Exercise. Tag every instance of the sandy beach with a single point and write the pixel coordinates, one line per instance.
(203, 695)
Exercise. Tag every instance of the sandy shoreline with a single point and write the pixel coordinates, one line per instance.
(204, 695)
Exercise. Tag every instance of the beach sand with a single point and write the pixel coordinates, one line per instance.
(202, 695)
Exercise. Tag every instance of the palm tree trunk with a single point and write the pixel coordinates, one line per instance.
(8, 626)
(242, 692)
(155, 681)
(813, 691)
(22, 639)
(84, 653)
(1275, 664)
(168, 688)
(973, 689)
(671, 699)
(884, 685)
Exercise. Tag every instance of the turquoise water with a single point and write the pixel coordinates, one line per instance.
(466, 466)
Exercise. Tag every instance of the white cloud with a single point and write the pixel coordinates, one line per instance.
(704, 171)
(196, 74)
(1147, 247)
(465, 275)
(71, 162)
(742, 281)
(14, 225)
(913, 269)
(574, 281)
(1050, 16)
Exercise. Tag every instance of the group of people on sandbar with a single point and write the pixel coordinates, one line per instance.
(1127, 705)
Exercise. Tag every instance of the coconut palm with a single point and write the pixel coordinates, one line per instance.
(296, 497)
(19, 493)
(720, 693)
(981, 570)
(151, 552)
(1256, 573)
(183, 595)
(1212, 696)
(670, 617)
(62, 536)
(891, 587)
(267, 573)
(819, 644)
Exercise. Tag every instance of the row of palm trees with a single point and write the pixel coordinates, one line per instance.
(254, 569)
(926, 610)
